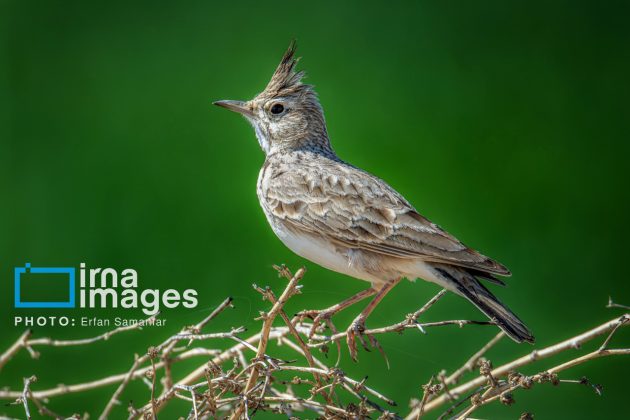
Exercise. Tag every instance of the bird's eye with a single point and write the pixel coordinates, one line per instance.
(277, 109)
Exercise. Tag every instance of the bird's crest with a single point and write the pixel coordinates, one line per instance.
(285, 79)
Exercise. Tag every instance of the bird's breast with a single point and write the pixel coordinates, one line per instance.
(321, 251)
(315, 247)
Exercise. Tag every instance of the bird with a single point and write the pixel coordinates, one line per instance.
(347, 220)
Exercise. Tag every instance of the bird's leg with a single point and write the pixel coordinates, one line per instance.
(358, 325)
(325, 314)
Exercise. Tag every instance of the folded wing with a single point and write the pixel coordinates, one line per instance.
(358, 210)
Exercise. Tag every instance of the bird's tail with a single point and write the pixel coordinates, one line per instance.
(464, 283)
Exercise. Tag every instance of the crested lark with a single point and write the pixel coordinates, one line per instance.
(350, 221)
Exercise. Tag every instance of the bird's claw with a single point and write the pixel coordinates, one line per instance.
(318, 317)
(356, 329)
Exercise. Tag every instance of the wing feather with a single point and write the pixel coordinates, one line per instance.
(355, 209)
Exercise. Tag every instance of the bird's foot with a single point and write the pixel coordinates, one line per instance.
(356, 329)
(320, 318)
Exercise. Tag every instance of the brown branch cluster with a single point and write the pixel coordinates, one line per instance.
(238, 376)
(498, 384)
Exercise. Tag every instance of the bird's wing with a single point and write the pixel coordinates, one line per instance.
(356, 209)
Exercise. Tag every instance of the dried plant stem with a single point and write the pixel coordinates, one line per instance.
(114, 399)
(305, 350)
(231, 386)
(490, 396)
(264, 337)
(571, 343)
(227, 303)
(144, 358)
(587, 357)
(42, 409)
(351, 385)
(414, 317)
(103, 337)
(472, 362)
(226, 355)
(425, 397)
(109, 380)
(25, 393)
(25, 342)
(301, 401)
(166, 351)
(320, 340)
(15, 347)
(153, 377)
(198, 373)
(612, 304)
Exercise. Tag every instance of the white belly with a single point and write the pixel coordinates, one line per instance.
(323, 253)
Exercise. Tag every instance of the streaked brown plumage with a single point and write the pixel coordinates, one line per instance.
(348, 220)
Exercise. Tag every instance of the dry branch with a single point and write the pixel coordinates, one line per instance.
(243, 378)
(264, 337)
(572, 343)
(15, 347)
(472, 362)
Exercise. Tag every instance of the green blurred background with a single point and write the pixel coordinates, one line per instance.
(504, 122)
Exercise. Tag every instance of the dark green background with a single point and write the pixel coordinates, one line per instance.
(504, 122)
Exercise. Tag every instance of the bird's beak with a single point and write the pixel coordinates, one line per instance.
(236, 106)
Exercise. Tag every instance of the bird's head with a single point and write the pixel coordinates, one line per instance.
(287, 114)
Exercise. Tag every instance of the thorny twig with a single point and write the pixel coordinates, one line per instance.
(470, 363)
(25, 393)
(196, 329)
(496, 388)
(103, 337)
(268, 293)
(612, 304)
(230, 385)
(427, 390)
(321, 340)
(266, 329)
(115, 398)
(15, 347)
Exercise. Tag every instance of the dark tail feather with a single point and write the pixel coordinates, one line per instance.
(468, 286)
(497, 312)
(486, 276)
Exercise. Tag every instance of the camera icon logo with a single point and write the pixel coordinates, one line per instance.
(69, 271)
